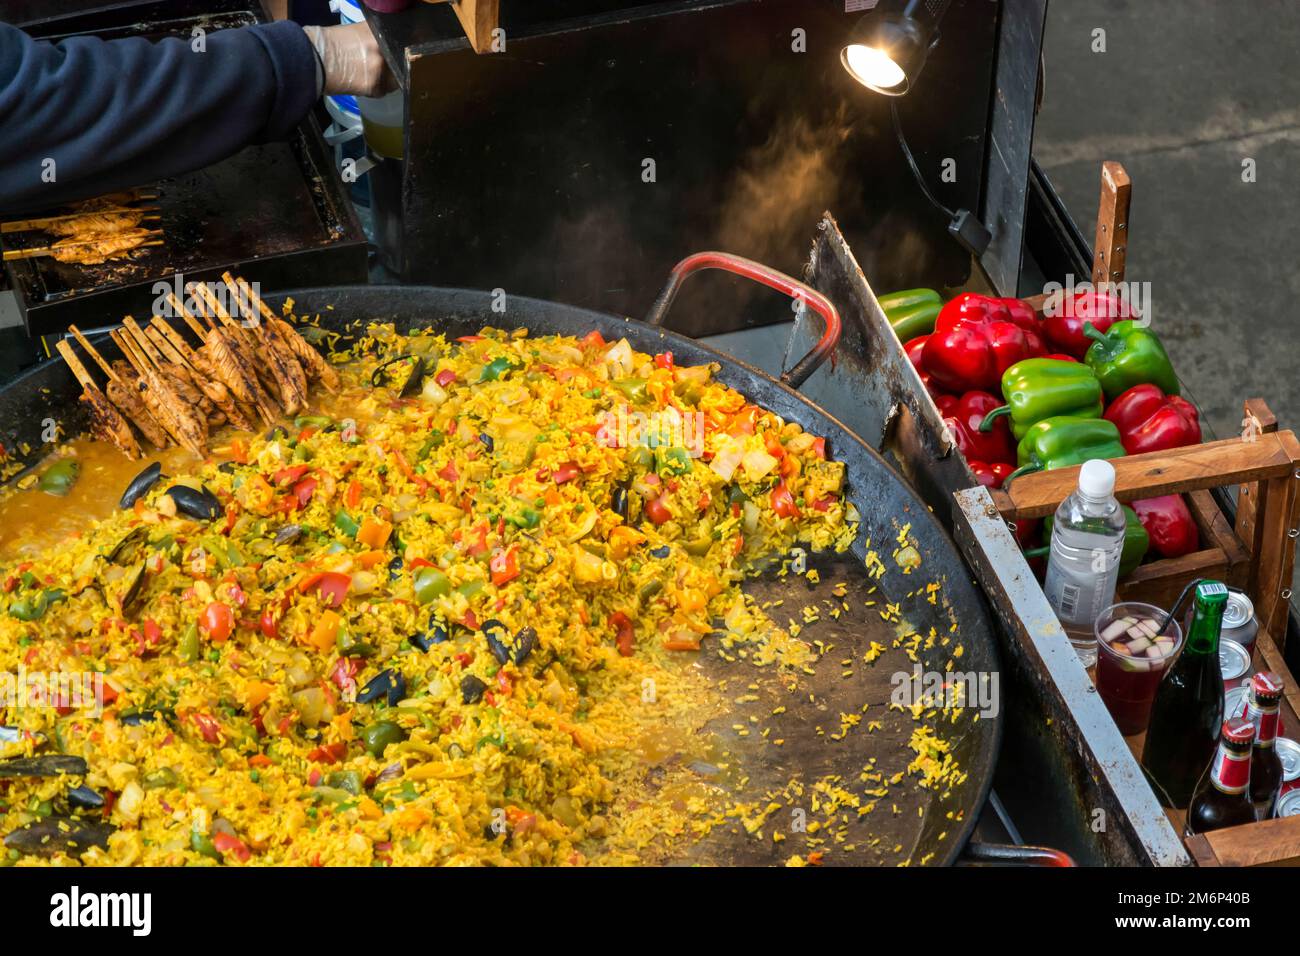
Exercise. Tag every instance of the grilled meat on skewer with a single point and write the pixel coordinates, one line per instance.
(105, 420)
(313, 362)
(127, 398)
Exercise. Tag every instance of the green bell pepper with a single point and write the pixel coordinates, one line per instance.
(1064, 440)
(1136, 542)
(1129, 354)
(911, 313)
(1039, 388)
(430, 584)
(59, 478)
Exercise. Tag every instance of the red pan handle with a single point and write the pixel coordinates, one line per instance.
(825, 347)
(1012, 855)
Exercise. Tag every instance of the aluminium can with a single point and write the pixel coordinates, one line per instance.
(1288, 805)
(1239, 624)
(1288, 751)
(1234, 661)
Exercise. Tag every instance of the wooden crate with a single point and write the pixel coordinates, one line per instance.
(1257, 553)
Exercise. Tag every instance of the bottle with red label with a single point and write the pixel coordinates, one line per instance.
(1222, 798)
(1265, 763)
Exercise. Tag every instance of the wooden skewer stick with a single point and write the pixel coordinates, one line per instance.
(74, 363)
(177, 342)
(253, 297)
(184, 313)
(93, 353)
(143, 340)
(173, 354)
(160, 413)
(44, 222)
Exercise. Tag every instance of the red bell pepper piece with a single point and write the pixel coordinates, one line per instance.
(304, 490)
(624, 632)
(504, 565)
(228, 845)
(963, 417)
(565, 472)
(288, 476)
(783, 501)
(268, 624)
(1169, 524)
(1063, 327)
(1150, 420)
(976, 339)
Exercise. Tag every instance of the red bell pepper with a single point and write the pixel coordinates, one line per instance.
(915, 349)
(976, 339)
(1150, 420)
(1063, 323)
(963, 417)
(504, 565)
(990, 475)
(624, 633)
(1169, 524)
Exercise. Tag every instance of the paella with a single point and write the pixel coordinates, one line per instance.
(448, 612)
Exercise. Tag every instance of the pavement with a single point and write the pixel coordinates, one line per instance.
(1184, 93)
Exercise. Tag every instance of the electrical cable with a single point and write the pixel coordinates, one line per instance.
(911, 162)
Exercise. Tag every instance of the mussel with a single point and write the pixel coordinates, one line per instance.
(132, 588)
(288, 534)
(388, 684)
(140, 485)
(84, 798)
(128, 549)
(54, 835)
(503, 647)
(618, 502)
(437, 634)
(195, 502)
(410, 384)
(49, 765)
(471, 689)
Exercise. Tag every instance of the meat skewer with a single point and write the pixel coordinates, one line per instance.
(288, 375)
(190, 431)
(176, 376)
(312, 361)
(229, 364)
(105, 420)
(275, 380)
(126, 398)
(171, 344)
(233, 366)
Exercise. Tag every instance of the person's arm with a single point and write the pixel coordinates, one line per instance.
(84, 116)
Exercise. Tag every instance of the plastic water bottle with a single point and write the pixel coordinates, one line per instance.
(1087, 542)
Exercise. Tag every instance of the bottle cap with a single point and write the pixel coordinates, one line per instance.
(1238, 730)
(1097, 478)
(1267, 687)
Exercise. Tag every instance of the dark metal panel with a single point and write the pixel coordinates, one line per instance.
(1011, 137)
(524, 169)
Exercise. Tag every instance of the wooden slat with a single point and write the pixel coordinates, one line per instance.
(1276, 528)
(1110, 251)
(1192, 468)
(1216, 532)
(1269, 842)
(1160, 582)
(1250, 496)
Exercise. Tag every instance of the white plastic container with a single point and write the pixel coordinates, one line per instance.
(1083, 566)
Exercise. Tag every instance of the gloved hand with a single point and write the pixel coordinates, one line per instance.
(350, 58)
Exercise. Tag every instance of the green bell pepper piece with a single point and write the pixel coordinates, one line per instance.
(494, 369)
(430, 584)
(34, 608)
(1136, 542)
(633, 389)
(1064, 440)
(346, 523)
(1129, 354)
(59, 478)
(1039, 388)
(896, 303)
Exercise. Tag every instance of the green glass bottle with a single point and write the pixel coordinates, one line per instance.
(1183, 734)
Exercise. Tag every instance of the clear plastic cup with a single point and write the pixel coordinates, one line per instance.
(1131, 662)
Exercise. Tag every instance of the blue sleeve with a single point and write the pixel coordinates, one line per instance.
(118, 113)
